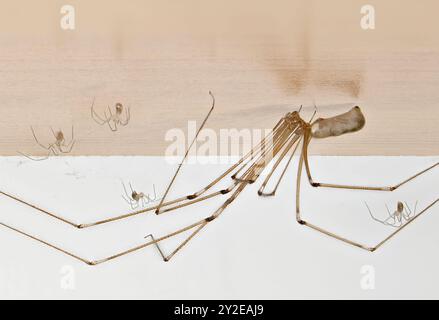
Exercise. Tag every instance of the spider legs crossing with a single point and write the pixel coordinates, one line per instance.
(196, 227)
(290, 131)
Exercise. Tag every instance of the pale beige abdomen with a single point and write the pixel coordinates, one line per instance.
(350, 121)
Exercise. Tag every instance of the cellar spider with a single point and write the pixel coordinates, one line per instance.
(112, 120)
(290, 134)
(136, 199)
(402, 214)
(59, 146)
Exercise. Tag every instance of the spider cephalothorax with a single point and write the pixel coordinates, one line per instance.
(293, 120)
(59, 136)
(119, 108)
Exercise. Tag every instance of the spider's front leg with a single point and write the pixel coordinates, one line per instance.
(38, 142)
(96, 118)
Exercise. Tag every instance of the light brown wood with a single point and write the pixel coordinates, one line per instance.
(260, 59)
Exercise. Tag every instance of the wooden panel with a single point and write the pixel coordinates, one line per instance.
(261, 59)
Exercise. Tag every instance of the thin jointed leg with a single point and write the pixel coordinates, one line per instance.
(336, 236)
(186, 154)
(355, 187)
(356, 244)
(178, 203)
(197, 226)
(281, 157)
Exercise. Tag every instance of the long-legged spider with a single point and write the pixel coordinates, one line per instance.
(402, 214)
(59, 146)
(288, 133)
(112, 119)
(136, 199)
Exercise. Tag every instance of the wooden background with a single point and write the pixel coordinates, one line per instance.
(260, 58)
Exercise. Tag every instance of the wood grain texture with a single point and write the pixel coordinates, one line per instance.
(261, 59)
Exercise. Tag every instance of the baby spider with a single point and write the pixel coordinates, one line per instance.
(136, 199)
(400, 216)
(57, 147)
(112, 120)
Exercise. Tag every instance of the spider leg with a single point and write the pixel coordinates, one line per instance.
(357, 187)
(135, 204)
(109, 118)
(96, 118)
(109, 110)
(407, 208)
(385, 221)
(72, 143)
(54, 150)
(156, 244)
(69, 147)
(151, 199)
(128, 117)
(391, 216)
(200, 224)
(126, 199)
(155, 193)
(148, 197)
(126, 192)
(187, 200)
(157, 211)
(35, 159)
(106, 116)
(53, 132)
(303, 222)
(287, 149)
(111, 128)
(38, 142)
(408, 213)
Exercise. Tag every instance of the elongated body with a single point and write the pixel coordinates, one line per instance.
(289, 133)
(350, 121)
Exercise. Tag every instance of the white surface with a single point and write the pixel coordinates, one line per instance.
(254, 250)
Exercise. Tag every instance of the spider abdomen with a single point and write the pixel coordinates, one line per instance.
(350, 121)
